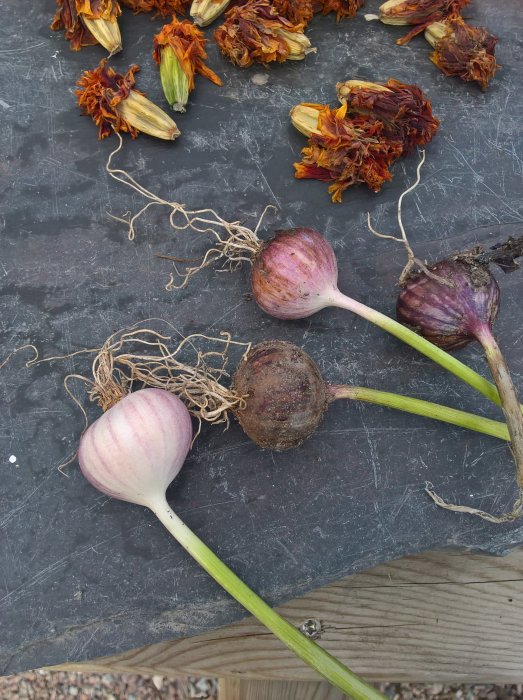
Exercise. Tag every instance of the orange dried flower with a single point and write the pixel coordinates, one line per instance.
(257, 31)
(84, 22)
(348, 152)
(164, 8)
(179, 50)
(404, 110)
(296, 11)
(463, 51)
(420, 13)
(114, 105)
(342, 8)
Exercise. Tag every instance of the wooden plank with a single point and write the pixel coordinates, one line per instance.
(236, 689)
(446, 616)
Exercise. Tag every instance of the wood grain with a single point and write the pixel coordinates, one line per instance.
(443, 616)
(236, 689)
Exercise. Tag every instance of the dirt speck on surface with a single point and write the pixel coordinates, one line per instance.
(260, 78)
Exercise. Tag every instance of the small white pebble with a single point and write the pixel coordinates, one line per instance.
(12, 459)
(260, 78)
(158, 682)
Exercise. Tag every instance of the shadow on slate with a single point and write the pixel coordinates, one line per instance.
(83, 576)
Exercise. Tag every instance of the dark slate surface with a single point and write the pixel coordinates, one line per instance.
(83, 576)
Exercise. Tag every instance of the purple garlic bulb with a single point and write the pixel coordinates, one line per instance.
(295, 274)
(450, 311)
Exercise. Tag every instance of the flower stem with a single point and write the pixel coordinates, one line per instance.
(422, 408)
(507, 392)
(307, 650)
(425, 347)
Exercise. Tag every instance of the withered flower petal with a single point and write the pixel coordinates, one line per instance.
(188, 56)
(163, 8)
(80, 17)
(257, 32)
(342, 8)
(296, 11)
(463, 51)
(419, 13)
(114, 105)
(404, 110)
(348, 152)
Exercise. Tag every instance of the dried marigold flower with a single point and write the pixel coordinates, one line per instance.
(257, 32)
(420, 13)
(179, 50)
(463, 51)
(348, 152)
(404, 110)
(163, 8)
(296, 11)
(114, 105)
(204, 12)
(88, 22)
(342, 8)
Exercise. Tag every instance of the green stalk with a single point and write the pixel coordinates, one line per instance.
(307, 650)
(174, 81)
(420, 407)
(425, 347)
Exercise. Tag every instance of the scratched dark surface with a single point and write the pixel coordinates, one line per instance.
(81, 575)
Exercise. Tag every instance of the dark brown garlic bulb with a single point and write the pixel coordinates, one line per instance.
(285, 394)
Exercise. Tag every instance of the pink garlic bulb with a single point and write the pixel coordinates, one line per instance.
(295, 274)
(137, 447)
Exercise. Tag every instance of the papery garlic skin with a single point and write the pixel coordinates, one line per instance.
(295, 274)
(450, 307)
(137, 447)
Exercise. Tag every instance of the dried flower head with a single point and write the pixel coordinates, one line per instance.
(348, 152)
(179, 50)
(463, 51)
(419, 13)
(163, 8)
(342, 8)
(114, 105)
(258, 32)
(404, 110)
(88, 22)
(296, 11)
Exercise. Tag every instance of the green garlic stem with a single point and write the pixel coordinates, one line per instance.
(425, 347)
(509, 398)
(422, 408)
(307, 650)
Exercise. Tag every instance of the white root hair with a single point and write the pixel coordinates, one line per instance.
(234, 242)
(412, 260)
